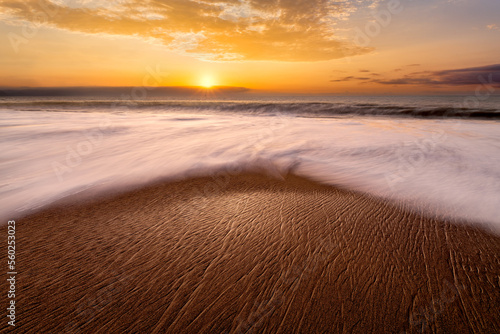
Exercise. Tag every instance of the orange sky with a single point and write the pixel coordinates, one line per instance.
(314, 46)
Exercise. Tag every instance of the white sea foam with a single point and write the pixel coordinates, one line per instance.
(438, 164)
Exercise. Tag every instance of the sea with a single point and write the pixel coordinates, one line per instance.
(441, 154)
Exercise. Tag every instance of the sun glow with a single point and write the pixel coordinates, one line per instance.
(207, 81)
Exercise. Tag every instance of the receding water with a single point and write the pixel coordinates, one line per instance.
(55, 147)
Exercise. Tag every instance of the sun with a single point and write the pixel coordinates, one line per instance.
(207, 81)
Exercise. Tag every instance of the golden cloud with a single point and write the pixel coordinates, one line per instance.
(286, 30)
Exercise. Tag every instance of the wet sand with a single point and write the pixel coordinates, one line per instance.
(250, 254)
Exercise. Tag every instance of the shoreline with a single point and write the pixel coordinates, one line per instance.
(257, 255)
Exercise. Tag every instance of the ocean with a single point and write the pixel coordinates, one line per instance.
(441, 154)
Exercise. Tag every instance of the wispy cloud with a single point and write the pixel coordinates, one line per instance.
(456, 77)
(350, 78)
(207, 29)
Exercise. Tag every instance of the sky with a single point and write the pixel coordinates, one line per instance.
(291, 46)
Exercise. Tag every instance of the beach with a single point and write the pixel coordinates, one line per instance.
(249, 253)
(250, 166)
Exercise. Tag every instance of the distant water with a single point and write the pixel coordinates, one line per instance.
(441, 153)
(396, 106)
